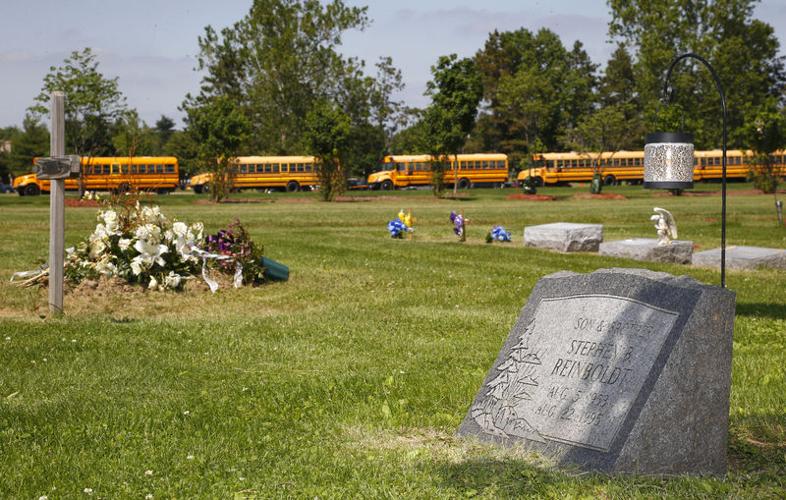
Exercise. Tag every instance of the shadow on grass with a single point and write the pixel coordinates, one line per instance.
(758, 443)
(504, 478)
(774, 311)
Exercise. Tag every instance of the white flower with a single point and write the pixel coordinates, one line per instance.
(180, 229)
(148, 472)
(148, 232)
(190, 457)
(153, 283)
(97, 247)
(149, 496)
(172, 280)
(110, 221)
(43, 497)
(124, 243)
(150, 253)
(104, 266)
(196, 231)
(186, 413)
(89, 491)
(136, 266)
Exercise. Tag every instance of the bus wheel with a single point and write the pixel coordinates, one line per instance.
(123, 188)
(609, 180)
(386, 185)
(32, 190)
(292, 187)
(463, 184)
(164, 191)
(538, 181)
(197, 189)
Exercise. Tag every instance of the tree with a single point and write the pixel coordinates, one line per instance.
(617, 88)
(8, 136)
(219, 128)
(276, 62)
(534, 89)
(604, 130)
(32, 142)
(455, 90)
(133, 137)
(327, 134)
(164, 128)
(282, 58)
(92, 106)
(743, 50)
(766, 133)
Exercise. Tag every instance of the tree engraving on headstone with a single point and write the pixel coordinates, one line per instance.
(594, 373)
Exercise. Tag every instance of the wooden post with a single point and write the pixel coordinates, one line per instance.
(56, 207)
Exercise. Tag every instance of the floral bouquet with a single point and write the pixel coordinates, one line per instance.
(402, 224)
(138, 244)
(459, 222)
(242, 256)
(498, 233)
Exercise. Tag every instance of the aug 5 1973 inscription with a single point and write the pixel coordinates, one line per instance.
(585, 369)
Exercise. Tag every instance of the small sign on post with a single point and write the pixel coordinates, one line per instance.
(56, 169)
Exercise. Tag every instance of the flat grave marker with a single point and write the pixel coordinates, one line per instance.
(564, 236)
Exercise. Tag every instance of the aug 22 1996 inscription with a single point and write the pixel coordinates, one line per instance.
(594, 373)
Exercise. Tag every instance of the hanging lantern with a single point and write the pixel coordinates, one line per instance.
(668, 161)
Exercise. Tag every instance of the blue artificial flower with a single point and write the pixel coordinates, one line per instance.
(498, 233)
(397, 228)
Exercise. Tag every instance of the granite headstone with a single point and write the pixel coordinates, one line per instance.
(564, 236)
(619, 370)
(648, 249)
(742, 257)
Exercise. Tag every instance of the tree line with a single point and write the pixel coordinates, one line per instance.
(276, 83)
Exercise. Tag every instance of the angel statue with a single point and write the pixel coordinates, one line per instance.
(666, 226)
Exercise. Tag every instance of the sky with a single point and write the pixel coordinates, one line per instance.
(150, 45)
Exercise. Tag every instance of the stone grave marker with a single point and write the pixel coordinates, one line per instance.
(648, 249)
(564, 236)
(742, 257)
(619, 370)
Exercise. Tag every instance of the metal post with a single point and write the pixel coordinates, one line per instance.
(719, 87)
(57, 207)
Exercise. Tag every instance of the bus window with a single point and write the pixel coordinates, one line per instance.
(170, 168)
(243, 169)
(268, 168)
(133, 169)
(124, 168)
(301, 167)
(309, 167)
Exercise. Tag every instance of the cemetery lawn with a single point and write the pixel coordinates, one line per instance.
(351, 379)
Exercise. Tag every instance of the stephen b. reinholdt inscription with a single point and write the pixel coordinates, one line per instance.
(583, 374)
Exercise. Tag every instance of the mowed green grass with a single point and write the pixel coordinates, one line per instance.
(351, 379)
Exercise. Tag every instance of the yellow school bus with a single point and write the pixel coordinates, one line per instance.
(113, 173)
(554, 168)
(291, 173)
(397, 171)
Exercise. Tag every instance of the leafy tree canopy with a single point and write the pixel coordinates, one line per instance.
(92, 106)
